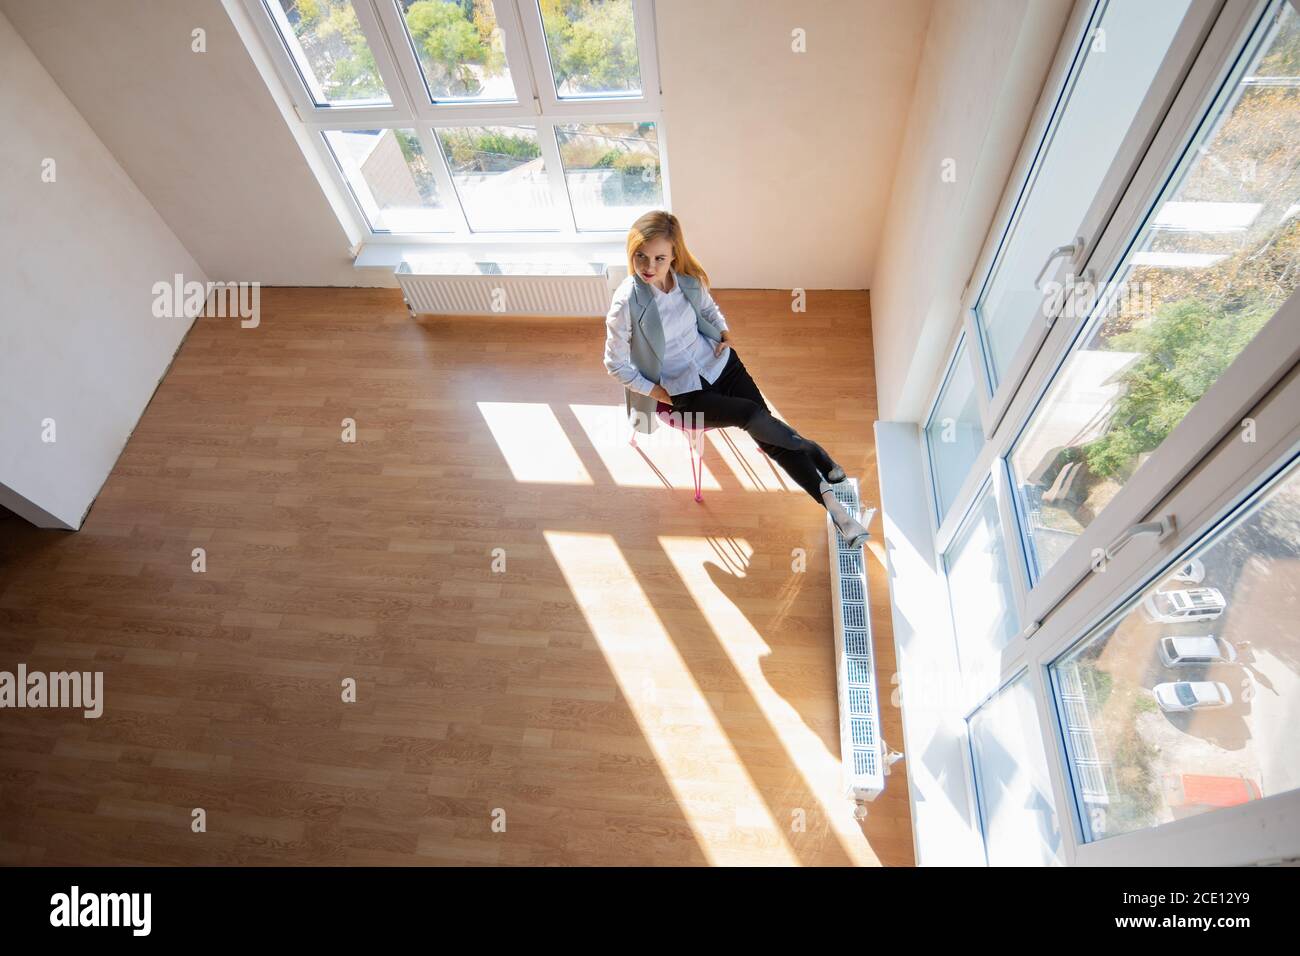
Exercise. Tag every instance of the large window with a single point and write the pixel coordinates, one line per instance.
(500, 176)
(460, 51)
(390, 179)
(1122, 50)
(511, 118)
(330, 52)
(1217, 255)
(1186, 697)
(1119, 543)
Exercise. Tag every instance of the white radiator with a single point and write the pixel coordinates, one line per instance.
(458, 287)
(865, 759)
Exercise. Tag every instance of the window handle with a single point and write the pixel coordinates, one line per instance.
(1162, 529)
(1072, 250)
(1050, 314)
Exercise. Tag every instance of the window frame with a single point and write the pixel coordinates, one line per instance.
(1011, 658)
(412, 72)
(959, 352)
(552, 105)
(266, 16)
(1260, 365)
(997, 399)
(1021, 672)
(1198, 473)
(1224, 483)
(410, 108)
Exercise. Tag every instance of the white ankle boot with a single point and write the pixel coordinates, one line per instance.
(849, 528)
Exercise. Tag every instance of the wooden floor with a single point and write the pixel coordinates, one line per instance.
(560, 658)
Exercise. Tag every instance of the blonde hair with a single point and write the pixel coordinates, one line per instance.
(657, 223)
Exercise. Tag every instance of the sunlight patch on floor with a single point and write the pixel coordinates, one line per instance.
(819, 769)
(661, 457)
(717, 796)
(533, 443)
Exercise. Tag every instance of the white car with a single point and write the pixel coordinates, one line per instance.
(1186, 695)
(1184, 606)
(1177, 651)
(1190, 572)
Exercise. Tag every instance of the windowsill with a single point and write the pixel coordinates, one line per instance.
(945, 828)
(378, 252)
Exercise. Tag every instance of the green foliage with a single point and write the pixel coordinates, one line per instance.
(308, 12)
(449, 41)
(636, 180)
(637, 164)
(1283, 58)
(582, 151)
(421, 175)
(1138, 799)
(592, 44)
(488, 150)
(409, 144)
(354, 74)
(1184, 349)
(1098, 683)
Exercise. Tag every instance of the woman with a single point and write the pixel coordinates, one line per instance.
(667, 341)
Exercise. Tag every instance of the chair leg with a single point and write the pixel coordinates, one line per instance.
(696, 440)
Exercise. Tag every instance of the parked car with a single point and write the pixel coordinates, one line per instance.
(1190, 572)
(1186, 695)
(1177, 651)
(1184, 606)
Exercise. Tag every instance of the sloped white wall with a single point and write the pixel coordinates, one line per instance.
(199, 133)
(79, 257)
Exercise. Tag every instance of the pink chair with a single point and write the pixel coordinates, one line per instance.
(694, 439)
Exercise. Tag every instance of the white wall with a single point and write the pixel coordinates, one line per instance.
(981, 73)
(78, 260)
(780, 163)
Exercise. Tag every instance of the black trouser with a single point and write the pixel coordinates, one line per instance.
(734, 400)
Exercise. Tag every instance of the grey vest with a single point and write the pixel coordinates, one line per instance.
(647, 345)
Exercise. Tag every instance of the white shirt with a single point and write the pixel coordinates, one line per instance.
(688, 353)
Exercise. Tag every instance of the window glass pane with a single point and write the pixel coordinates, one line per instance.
(390, 177)
(460, 49)
(1120, 55)
(612, 170)
(954, 434)
(500, 177)
(1216, 257)
(1011, 781)
(979, 585)
(592, 45)
(1185, 700)
(325, 41)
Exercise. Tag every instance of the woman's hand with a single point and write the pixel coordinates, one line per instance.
(661, 393)
(719, 346)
